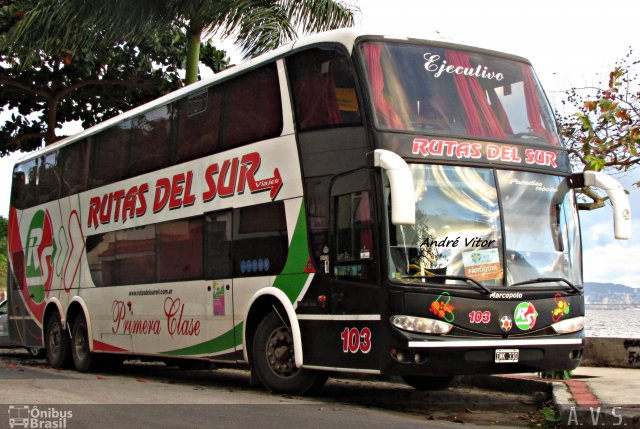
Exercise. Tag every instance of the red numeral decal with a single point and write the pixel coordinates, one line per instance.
(480, 317)
(355, 340)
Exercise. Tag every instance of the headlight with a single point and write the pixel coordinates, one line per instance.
(421, 324)
(568, 326)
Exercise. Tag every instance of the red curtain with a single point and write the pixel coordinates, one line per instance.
(533, 108)
(317, 103)
(481, 119)
(385, 113)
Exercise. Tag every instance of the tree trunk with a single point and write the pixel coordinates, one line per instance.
(193, 55)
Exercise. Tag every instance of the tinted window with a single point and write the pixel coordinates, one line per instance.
(179, 250)
(23, 192)
(199, 124)
(169, 251)
(109, 155)
(151, 141)
(323, 89)
(74, 160)
(260, 241)
(253, 110)
(49, 178)
(354, 236)
(218, 241)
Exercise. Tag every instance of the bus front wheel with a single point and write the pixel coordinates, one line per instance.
(57, 343)
(274, 361)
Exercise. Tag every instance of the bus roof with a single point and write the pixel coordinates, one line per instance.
(345, 36)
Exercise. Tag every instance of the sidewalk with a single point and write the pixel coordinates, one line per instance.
(599, 397)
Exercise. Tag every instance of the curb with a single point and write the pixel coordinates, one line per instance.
(578, 406)
(576, 403)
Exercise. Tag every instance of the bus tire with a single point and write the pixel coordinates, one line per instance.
(274, 362)
(58, 343)
(420, 382)
(83, 359)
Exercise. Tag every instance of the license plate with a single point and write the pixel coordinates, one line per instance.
(507, 355)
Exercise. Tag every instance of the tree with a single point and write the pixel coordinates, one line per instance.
(257, 25)
(604, 133)
(89, 84)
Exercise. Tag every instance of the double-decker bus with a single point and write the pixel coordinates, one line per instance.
(347, 202)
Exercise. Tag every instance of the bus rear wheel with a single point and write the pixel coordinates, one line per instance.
(274, 360)
(420, 382)
(57, 343)
(83, 359)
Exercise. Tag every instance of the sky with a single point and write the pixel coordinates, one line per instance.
(571, 43)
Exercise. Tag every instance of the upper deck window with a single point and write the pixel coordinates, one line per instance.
(433, 90)
(323, 89)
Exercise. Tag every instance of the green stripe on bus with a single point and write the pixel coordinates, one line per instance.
(292, 278)
(226, 341)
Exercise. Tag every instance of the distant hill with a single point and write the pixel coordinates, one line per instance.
(610, 293)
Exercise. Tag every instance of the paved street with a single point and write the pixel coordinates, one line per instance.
(157, 396)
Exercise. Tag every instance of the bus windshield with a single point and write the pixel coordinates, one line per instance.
(435, 90)
(495, 227)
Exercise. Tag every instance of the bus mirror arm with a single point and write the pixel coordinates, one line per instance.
(403, 199)
(617, 196)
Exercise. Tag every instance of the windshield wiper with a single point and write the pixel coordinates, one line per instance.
(485, 289)
(547, 280)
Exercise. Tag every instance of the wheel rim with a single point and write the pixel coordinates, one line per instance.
(54, 339)
(80, 342)
(280, 353)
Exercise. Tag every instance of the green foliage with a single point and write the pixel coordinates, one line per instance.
(551, 417)
(604, 133)
(88, 84)
(257, 25)
(557, 374)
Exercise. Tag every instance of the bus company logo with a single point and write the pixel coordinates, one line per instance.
(225, 179)
(25, 416)
(40, 250)
(525, 316)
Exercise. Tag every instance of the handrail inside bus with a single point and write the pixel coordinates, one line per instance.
(403, 198)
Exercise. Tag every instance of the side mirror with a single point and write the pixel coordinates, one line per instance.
(403, 198)
(617, 196)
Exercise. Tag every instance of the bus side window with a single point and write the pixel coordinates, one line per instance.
(260, 241)
(323, 89)
(150, 142)
(353, 236)
(74, 169)
(21, 191)
(252, 107)
(199, 118)
(49, 183)
(109, 155)
(217, 245)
